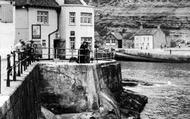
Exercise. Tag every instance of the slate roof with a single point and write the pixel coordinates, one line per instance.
(37, 3)
(116, 35)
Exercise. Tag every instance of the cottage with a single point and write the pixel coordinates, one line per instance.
(37, 20)
(113, 40)
(59, 26)
(149, 39)
(6, 11)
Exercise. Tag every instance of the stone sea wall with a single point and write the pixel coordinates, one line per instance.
(23, 102)
(70, 90)
(75, 88)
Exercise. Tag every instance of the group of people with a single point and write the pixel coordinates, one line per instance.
(26, 50)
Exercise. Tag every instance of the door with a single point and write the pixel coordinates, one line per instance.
(119, 43)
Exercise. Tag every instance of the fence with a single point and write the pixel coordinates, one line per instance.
(21, 60)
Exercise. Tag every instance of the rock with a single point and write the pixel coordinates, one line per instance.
(46, 114)
(132, 104)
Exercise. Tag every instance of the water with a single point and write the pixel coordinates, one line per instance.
(169, 97)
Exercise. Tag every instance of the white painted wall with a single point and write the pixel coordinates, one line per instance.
(24, 20)
(21, 25)
(80, 30)
(144, 42)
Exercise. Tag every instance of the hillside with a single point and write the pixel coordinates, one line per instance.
(173, 16)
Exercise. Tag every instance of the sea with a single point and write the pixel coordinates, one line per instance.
(169, 96)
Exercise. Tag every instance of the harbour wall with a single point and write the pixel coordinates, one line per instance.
(64, 88)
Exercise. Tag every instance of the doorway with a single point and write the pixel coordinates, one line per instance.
(119, 43)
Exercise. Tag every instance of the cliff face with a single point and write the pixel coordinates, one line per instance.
(127, 15)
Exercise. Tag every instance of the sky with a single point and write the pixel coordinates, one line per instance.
(6, 38)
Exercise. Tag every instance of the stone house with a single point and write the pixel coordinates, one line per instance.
(55, 24)
(149, 39)
(113, 40)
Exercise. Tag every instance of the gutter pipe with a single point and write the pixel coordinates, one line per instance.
(49, 35)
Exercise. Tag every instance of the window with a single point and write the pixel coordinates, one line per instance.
(107, 40)
(72, 42)
(113, 40)
(43, 43)
(42, 17)
(86, 18)
(72, 18)
(72, 39)
(87, 39)
(72, 33)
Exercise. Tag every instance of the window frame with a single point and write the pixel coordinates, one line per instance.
(72, 18)
(43, 17)
(86, 18)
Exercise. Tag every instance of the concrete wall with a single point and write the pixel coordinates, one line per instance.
(75, 88)
(23, 102)
(63, 87)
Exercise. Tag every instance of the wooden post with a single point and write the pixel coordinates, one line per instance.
(8, 70)
(14, 67)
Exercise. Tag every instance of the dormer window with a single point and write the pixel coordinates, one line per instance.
(42, 17)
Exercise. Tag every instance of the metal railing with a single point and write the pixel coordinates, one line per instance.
(18, 65)
(17, 62)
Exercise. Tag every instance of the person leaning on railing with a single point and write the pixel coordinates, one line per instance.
(84, 53)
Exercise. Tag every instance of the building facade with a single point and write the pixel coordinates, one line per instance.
(149, 39)
(59, 26)
(76, 25)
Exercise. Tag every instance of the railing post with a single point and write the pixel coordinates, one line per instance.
(0, 74)
(21, 62)
(14, 67)
(19, 65)
(8, 70)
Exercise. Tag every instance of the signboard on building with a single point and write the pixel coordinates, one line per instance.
(36, 31)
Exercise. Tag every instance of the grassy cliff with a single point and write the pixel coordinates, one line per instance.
(122, 16)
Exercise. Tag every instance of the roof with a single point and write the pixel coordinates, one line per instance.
(37, 3)
(116, 35)
(80, 2)
(73, 2)
(128, 36)
(146, 32)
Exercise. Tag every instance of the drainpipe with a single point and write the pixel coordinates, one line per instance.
(49, 35)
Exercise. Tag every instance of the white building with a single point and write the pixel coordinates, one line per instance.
(149, 39)
(76, 25)
(62, 24)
